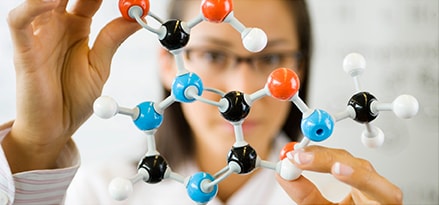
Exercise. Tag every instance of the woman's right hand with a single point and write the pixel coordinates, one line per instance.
(58, 76)
(368, 186)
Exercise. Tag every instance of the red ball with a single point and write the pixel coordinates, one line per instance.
(287, 148)
(216, 10)
(125, 5)
(283, 83)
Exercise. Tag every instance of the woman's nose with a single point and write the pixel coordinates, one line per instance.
(244, 77)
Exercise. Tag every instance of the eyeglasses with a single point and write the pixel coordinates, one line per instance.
(216, 61)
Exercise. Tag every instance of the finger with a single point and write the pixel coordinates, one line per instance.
(356, 172)
(359, 198)
(302, 191)
(21, 17)
(363, 177)
(107, 42)
(317, 158)
(86, 8)
(348, 200)
(61, 6)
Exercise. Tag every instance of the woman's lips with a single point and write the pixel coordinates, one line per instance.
(247, 126)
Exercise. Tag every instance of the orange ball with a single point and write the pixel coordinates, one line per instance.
(283, 83)
(287, 148)
(216, 10)
(125, 5)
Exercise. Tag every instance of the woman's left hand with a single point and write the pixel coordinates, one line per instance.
(368, 187)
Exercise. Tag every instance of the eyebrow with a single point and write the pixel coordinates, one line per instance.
(215, 41)
(276, 42)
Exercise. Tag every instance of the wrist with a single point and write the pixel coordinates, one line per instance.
(24, 155)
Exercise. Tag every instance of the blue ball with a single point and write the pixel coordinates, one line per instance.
(148, 118)
(195, 191)
(318, 126)
(184, 81)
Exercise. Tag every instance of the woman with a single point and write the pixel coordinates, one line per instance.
(212, 53)
(59, 77)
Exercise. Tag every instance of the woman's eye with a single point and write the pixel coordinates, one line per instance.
(271, 59)
(214, 56)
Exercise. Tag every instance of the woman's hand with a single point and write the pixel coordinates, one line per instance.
(58, 76)
(368, 187)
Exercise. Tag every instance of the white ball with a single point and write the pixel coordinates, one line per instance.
(354, 64)
(372, 139)
(254, 39)
(120, 188)
(405, 106)
(288, 171)
(105, 107)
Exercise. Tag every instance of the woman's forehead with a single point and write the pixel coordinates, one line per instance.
(254, 8)
(272, 16)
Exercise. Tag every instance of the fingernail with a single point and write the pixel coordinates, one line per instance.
(300, 157)
(290, 155)
(341, 169)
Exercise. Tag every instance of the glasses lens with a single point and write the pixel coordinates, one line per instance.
(216, 61)
(270, 61)
(205, 59)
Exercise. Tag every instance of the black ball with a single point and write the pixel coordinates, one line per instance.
(155, 166)
(361, 103)
(175, 37)
(238, 108)
(245, 156)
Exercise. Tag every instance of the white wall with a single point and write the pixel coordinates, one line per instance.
(399, 39)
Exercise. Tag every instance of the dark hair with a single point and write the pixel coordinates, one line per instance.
(175, 139)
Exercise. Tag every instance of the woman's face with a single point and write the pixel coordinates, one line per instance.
(210, 45)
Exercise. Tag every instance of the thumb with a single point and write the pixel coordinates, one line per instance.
(302, 191)
(108, 41)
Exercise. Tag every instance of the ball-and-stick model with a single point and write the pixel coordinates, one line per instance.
(282, 84)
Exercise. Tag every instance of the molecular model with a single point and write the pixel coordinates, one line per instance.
(282, 84)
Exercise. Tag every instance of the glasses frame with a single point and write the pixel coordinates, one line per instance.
(233, 59)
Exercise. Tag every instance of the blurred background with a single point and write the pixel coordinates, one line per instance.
(398, 38)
